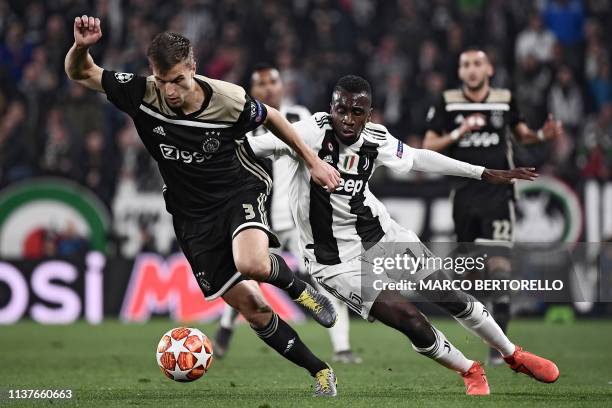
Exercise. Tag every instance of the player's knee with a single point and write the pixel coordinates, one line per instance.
(254, 267)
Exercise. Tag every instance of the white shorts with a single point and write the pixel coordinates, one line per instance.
(354, 281)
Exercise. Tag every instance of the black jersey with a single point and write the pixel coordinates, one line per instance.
(490, 146)
(200, 155)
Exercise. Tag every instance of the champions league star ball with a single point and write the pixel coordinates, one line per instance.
(184, 354)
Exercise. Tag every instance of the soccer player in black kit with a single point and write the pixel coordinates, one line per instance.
(216, 190)
(471, 124)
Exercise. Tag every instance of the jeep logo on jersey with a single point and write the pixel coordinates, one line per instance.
(351, 185)
(123, 77)
(211, 145)
(170, 152)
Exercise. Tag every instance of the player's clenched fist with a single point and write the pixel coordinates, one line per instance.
(325, 175)
(87, 30)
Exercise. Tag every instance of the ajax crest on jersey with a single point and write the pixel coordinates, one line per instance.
(210, 145)
(124, 77)
(497, 119)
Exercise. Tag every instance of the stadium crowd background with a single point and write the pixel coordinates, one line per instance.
(551, 53)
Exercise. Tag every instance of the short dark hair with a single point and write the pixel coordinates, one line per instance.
(353, 84)
(262, 66)
(168, 49)
(475, 48)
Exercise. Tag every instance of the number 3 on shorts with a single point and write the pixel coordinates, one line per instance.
(249, 212)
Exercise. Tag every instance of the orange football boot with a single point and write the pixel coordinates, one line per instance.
(534, 366)
(475, 380)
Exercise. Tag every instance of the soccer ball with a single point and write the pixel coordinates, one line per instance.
(184, 354)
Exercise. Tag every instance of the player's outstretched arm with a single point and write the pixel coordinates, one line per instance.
(551, 130)
(509, 176)
(433, 162)
(321, 172)
(79, 65)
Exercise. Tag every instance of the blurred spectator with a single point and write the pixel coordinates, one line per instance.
(15, 162)
(565, 100)
(58, 156)
(82, 110)
(566, 19)
(434, 86)
(594, 148)
(15, 52)
(601, 85)
(532, 81)
(387, 61)
(70, 243)
(535, 40)
(97, 167)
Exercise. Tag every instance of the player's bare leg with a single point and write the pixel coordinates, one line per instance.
(395, 311)
(247, 299)
(472, 315)
(253, 259)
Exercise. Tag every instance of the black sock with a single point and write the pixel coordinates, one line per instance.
(282, 338)
(282, 277)
(501, 314)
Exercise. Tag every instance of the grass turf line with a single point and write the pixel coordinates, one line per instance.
(114, 365)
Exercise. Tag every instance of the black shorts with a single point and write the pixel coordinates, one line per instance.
(494, 223)
(207, 244)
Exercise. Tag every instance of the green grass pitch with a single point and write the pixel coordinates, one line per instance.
(114, 365)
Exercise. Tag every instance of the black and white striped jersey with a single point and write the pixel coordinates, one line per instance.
(334, 226)
(280, 210)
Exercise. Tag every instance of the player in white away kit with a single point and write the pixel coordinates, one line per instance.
(267, 86)
(335, 227)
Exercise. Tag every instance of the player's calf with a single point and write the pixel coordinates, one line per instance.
(395, 311)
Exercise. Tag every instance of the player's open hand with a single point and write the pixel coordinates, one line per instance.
(552, 129)
(325, 175)
(509, 176)
(87, 30)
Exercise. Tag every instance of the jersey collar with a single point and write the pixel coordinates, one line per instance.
(472, 100)
(207, 96)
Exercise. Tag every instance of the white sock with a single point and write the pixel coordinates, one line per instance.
(478, 320)
(446, 354)
(228, 318)
(339, 333)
